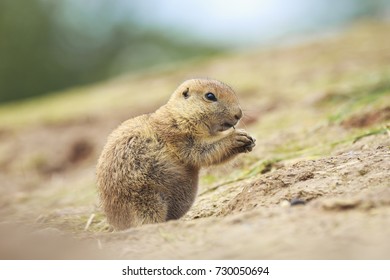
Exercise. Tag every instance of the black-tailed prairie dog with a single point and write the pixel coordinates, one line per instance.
(148, 170)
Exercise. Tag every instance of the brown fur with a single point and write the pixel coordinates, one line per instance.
(148, 170)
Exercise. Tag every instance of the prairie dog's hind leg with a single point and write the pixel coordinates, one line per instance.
(143, 207)
(149, 208)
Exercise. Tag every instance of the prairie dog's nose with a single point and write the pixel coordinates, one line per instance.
(238, 115)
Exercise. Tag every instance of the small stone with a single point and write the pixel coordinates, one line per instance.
(284, 204)
(297, 201)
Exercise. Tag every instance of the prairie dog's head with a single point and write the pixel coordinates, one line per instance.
(207, 104)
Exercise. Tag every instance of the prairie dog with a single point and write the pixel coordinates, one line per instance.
(148, 170)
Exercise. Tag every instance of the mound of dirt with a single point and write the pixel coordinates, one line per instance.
(350, 172)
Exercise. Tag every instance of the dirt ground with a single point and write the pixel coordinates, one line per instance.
(316, 186)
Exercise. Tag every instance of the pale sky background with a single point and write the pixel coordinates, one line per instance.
(244, 22)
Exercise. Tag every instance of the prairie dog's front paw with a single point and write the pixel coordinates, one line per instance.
(242, 141)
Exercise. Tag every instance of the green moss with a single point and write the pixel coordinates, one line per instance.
(374, 131)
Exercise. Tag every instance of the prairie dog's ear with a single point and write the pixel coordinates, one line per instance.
(186, 93)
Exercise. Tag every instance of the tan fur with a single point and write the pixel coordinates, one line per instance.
(148, 170)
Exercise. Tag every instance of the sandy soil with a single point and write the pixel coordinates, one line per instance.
(317, 185)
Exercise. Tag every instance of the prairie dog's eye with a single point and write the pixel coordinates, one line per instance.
(210, 96)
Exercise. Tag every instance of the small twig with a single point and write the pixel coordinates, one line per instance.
(89, 222)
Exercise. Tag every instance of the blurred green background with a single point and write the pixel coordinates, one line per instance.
(47, 46)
